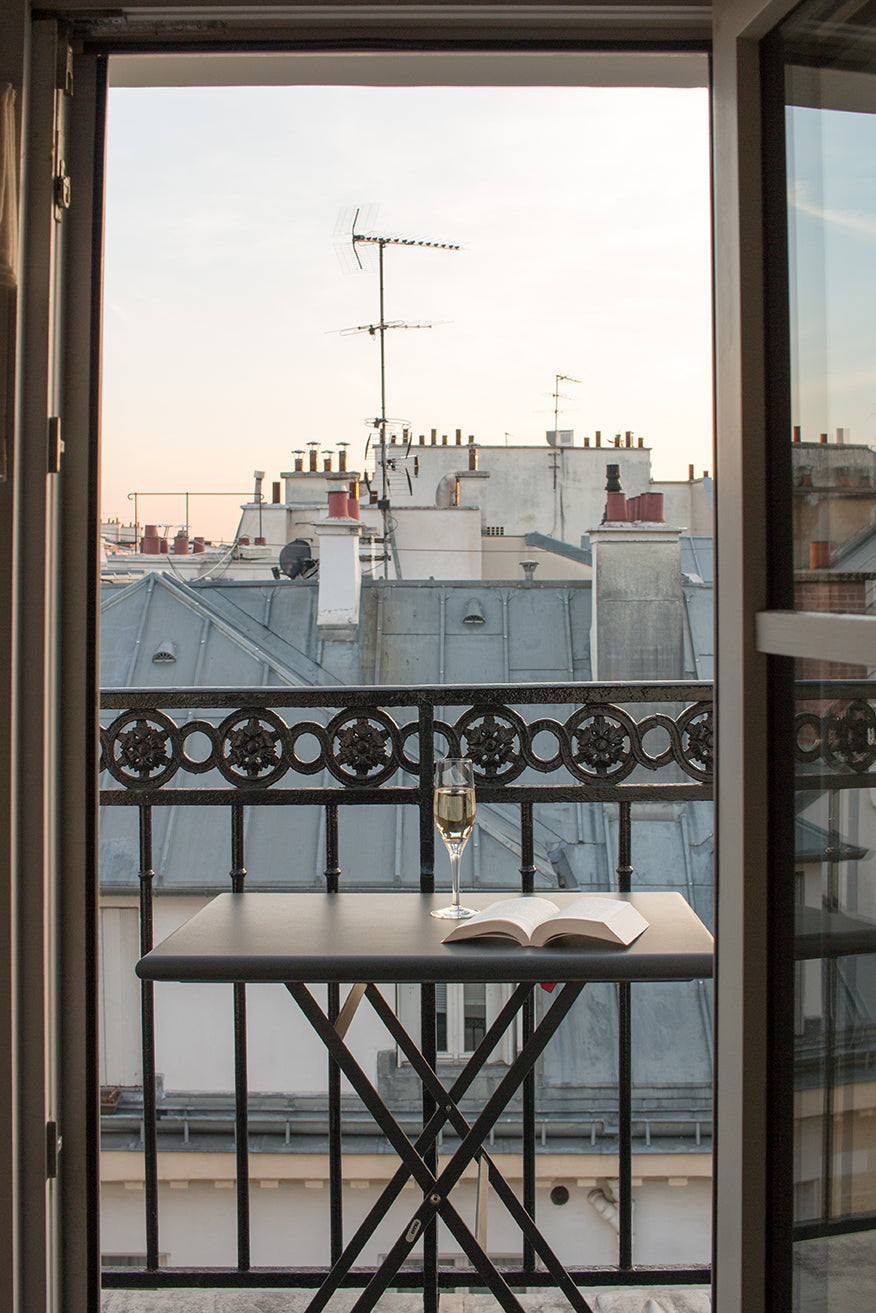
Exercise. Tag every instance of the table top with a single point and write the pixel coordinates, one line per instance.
(390, 937)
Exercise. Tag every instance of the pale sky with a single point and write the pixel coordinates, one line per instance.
(583, 218)
(832, 230)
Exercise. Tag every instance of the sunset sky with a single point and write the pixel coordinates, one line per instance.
(583, 218)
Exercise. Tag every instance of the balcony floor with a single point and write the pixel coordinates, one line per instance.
(693, 1299)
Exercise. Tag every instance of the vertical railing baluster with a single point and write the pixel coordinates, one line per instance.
(332, 869)
(831, 903)
(147, 1025)
(528, 1144)
(624, 847)
(527, 849)
(426, 718)
(336, 1178)
(625, 1061)
(429, 1050)
(241, 1081)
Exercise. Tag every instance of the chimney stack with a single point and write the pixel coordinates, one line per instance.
(313, 447)
(615, 501)
(340, 574)
(353, 500)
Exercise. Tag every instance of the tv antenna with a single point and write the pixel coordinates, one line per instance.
(558, 397)
(366, 237)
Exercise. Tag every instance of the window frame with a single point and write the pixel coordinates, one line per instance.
(742, 1202)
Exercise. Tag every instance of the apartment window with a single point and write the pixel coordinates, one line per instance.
(464, 1012)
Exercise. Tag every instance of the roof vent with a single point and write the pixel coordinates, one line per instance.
(165, 653)
(529, 568)
(473, 613)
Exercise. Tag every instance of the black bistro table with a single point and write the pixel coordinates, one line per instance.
(298, 940)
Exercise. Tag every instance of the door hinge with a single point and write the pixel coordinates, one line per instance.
(62, 189)
(53, 1149)
(55, 445)
(65, 68)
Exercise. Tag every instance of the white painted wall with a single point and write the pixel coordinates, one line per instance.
(290, 1218)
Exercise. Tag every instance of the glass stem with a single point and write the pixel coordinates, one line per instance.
(455, 853)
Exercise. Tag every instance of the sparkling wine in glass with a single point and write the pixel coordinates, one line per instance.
(454, 810)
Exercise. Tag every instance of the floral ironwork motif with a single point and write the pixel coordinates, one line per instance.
(364, 746)
(143, 749)
(491, 744)
(698, 742)
(601, 745)
(493, 740)
(253, 748)
(849, 735)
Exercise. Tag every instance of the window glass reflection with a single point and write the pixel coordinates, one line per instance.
(835, 987)
(830, 126)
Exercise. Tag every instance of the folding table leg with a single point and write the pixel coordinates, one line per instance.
(406, 1151)
(429, 1134)
(532, 1237)
(471, 1144)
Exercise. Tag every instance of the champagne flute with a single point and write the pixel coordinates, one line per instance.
(454, 810)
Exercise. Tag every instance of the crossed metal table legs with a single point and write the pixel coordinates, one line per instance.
(414, 1156)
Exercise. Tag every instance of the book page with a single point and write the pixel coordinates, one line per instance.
(516, 918)
(593, 907)
(612, 920)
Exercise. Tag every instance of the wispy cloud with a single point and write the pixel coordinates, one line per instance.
(853, 219)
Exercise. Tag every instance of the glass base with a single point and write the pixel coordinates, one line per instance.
(453, 913)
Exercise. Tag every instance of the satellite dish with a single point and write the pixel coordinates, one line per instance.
(296, 561)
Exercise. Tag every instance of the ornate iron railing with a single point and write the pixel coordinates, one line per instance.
(238, 749)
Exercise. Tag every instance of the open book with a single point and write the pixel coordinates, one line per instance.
(536, 921)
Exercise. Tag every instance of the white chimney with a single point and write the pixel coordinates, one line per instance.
(340, 574)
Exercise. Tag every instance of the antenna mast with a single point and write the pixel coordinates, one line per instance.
(380, 328)
(558, 397)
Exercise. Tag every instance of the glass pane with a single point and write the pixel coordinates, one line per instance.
(830, 124)
(835, 989)
(475, 1015)
(441, 1017)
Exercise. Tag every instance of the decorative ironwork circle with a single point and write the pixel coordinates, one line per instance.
(299, 731)
(137, 749)
(363, 747)
(673, 750)
(210, 732)
(493, 739)
(252, 748)
(807, 728)
(849, 736)
(598, 743)
(696, 729)
(440, 730)
(533, 729)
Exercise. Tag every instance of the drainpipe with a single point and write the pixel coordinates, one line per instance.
(399, 820)
(567, 614)
(378, 645)
(606, 1208)
(442, 632)
(506, 662)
